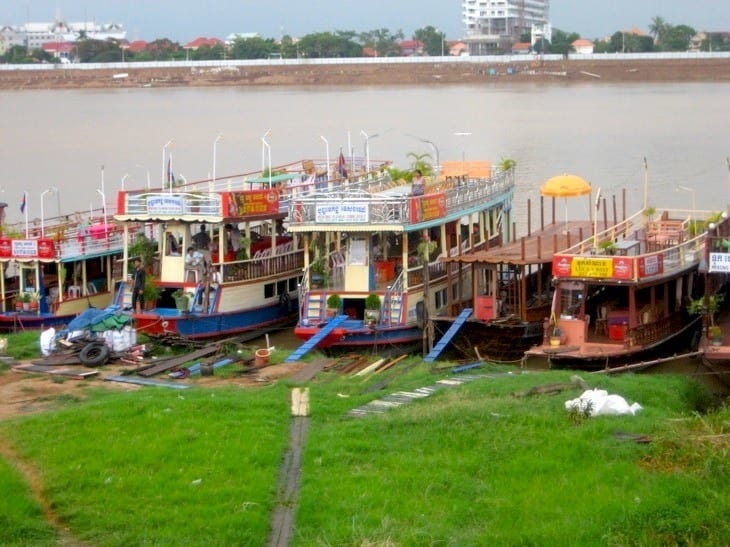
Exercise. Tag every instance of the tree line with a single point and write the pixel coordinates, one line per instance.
(346, 43)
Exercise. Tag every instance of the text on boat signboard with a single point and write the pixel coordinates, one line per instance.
(27, 248)
(720, 262)
(616, 267)
(252, 202)
(342, 213)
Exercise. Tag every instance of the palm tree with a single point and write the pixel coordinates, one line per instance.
(658, 28)
(505, 164)
(419, 162)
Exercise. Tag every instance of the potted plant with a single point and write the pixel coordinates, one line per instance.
(151, 293)
(182, 300)
(556, 336)
(372, 309)
(333, 304)
(318, 275)
(714, 333)
(25, 299)
(35, 298)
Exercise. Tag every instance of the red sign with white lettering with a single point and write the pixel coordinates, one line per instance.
(27, 249)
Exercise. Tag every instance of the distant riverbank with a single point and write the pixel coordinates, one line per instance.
(530, 70)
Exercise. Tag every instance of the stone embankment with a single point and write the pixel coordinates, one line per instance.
(347, 74)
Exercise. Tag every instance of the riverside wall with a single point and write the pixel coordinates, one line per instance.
(346, 73)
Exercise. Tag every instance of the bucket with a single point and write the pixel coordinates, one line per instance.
(261, 358)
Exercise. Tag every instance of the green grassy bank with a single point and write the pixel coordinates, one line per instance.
(468, 465)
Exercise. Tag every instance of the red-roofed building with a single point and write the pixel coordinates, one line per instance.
(200, 42)
(409, 48)
(368, 52)
(137, 46)
(60, 50)
(521, 48)
(583, 46)
(457, 48)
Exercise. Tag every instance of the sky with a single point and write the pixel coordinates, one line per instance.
(185, 20)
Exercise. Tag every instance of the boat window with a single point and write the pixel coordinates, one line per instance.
(269, 289)
(571, 298)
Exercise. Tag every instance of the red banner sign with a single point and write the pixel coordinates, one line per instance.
(428, 207)
(651, 265)
(27, 249)
(252, 202)
(617, 267)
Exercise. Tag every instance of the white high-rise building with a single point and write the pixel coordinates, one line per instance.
(492, 26)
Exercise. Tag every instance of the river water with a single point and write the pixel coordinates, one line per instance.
(601, 132)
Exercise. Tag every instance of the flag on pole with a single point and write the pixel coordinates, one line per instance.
(598, 200)
(341, 165)
(22, 203)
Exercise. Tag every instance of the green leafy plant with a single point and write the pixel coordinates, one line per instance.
(372, 302)
(697, 306)
(25, 297)
(714, 332)
(151, 290)
(143, 248)
(334, 301)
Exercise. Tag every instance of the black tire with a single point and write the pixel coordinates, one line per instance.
(94, 354)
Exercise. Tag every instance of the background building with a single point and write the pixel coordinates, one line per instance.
(492, 26)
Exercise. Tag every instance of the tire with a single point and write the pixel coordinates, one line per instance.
(94, 354)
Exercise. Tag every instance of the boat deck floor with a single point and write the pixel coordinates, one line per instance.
(586, 350)
(538, 247)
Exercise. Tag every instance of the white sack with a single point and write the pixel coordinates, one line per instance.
(601, 403)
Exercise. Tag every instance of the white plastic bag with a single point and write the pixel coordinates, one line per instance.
(597, 402)
(48, 341)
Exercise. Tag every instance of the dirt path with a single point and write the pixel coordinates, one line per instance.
(35, 484)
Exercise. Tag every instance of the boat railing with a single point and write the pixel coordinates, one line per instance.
(150, 204)
(92, 240)
(360, 206)
(671, 259)
(261, 266)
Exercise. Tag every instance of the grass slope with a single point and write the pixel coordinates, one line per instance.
(469, 465)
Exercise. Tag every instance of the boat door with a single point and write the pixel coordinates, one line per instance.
(172, 260)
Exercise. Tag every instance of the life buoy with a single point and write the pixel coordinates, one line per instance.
(285, 301)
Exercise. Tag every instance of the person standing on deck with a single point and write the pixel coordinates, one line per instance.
(418, 187)
(138, 286)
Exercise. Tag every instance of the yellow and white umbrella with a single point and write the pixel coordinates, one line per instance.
(565, 186)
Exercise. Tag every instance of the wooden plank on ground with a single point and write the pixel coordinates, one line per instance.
(171, 363)
(145, 382)
(309, 371)
(386, 366)
(370, 368)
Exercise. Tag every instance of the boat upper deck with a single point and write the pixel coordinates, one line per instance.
(63, 239)
(537, 248)
(383, 204)
(638, 249)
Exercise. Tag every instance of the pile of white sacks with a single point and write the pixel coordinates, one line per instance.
(597, 402)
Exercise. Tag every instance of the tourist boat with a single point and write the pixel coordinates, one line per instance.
(244, 291)
(375, 252)
(56, 268)
(249, 286)
(622, 296)
(513, 289)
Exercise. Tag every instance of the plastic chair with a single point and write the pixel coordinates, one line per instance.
(74, 291)
(193, 271)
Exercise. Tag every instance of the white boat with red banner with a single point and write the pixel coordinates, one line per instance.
(246, 281)
(53, 269)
